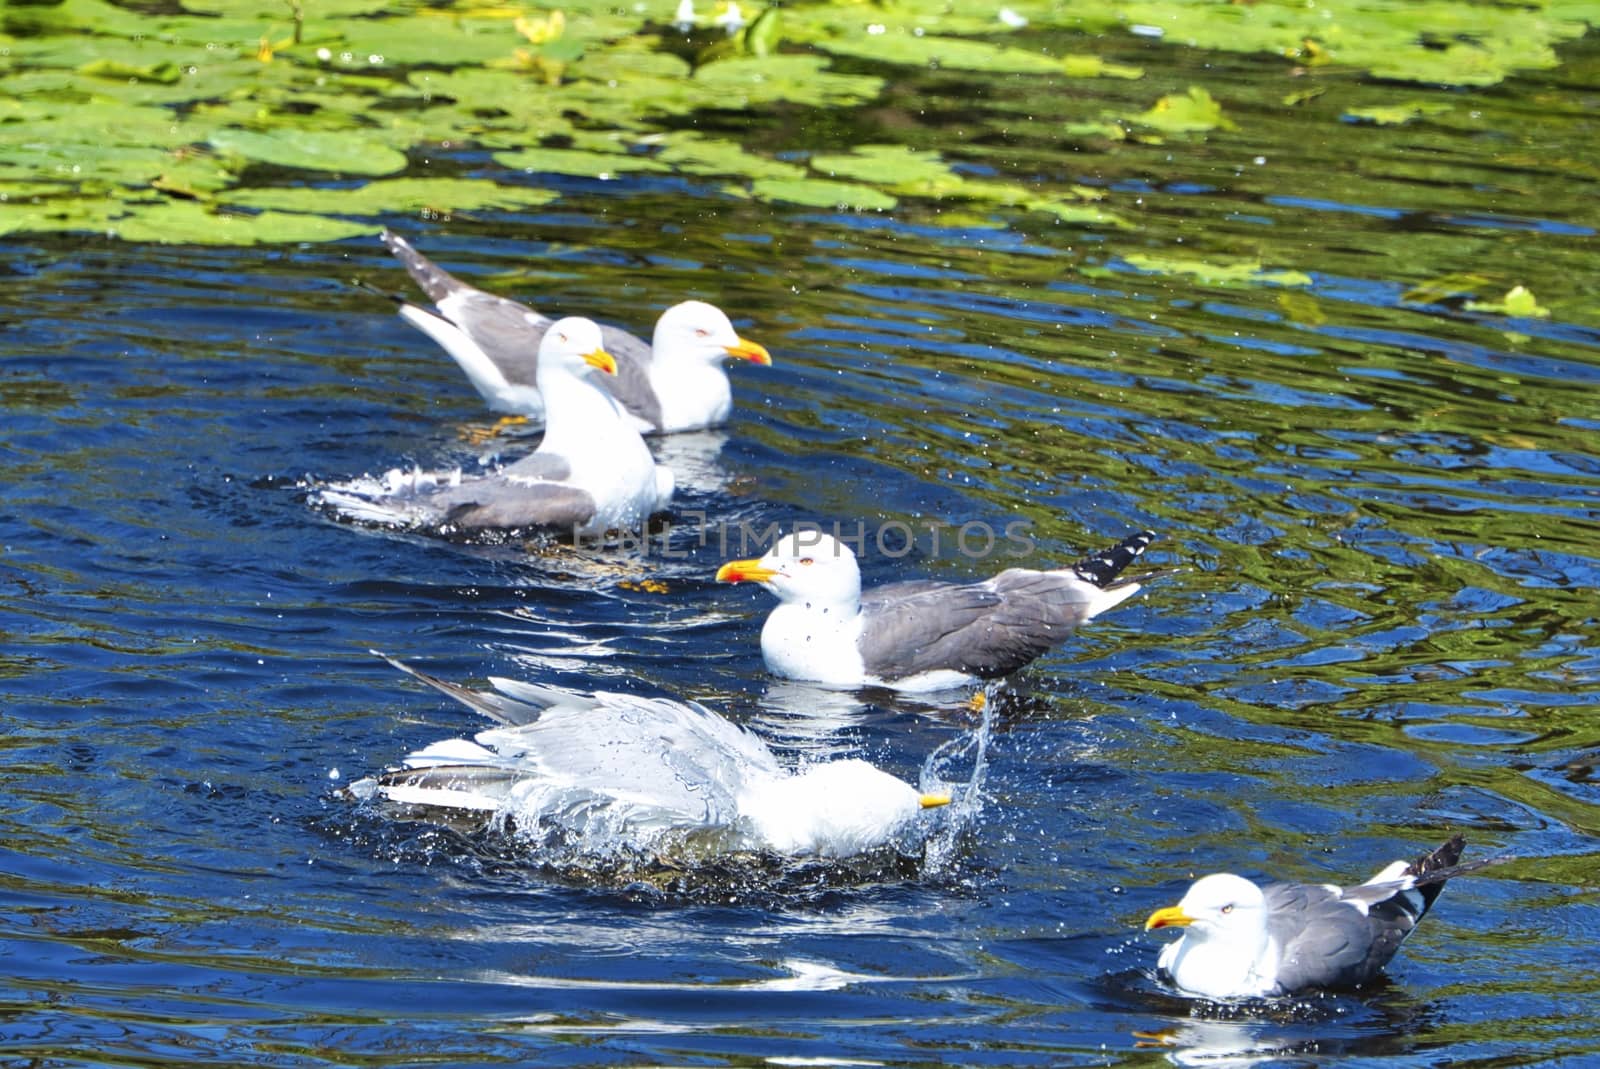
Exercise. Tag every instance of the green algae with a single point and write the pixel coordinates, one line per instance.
(222, 104)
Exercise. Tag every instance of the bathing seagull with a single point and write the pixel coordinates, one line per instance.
(590, 474)
(676, 383)
(1242, 940)
(614, 771)
(919, 635)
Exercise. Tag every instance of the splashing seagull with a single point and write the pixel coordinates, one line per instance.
(919, 635)
(676, 383)
(1242, 940)
(590, 474)
(626, 773)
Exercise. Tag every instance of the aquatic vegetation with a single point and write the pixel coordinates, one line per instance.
(181, 123)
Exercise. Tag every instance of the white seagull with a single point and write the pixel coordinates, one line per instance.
(1242, 940)
(616, 772)
(919, 635)
(676, 383)
(590, 474)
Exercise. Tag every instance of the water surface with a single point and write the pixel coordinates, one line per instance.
(1385, 506)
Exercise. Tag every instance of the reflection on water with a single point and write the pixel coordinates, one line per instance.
(1384, 500)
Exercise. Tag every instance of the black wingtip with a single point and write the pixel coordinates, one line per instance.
(1102, 567)
(1445, 856)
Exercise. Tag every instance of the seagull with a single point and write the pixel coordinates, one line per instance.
(616, 772)
(674, 384)
(919, 635)
(1242, 940)
(591, 473)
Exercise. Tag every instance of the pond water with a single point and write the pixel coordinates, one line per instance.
(1384, 505)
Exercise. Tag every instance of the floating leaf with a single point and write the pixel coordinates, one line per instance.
(163, 73)
(190, 223)
(1395, 114)
(691, 153)
(1195, 111)
(1518, 302)
(1213, 273)
(746, 82)
(944, 53)
(1097, 67)
(1438, 289)
(439, 196)
(311, 150)
(821, 193)
(906, 169)
(576, 162)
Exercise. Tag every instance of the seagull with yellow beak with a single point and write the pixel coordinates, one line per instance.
(615, 773)
(591, 473)
(919, 635)
(1244, 940)
(674, 383)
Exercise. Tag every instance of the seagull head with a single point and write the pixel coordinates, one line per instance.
(1221, 906)
(834, 809)
(572, 346)
(803, 566)
(699, 332)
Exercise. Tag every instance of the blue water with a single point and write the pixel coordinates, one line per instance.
(1386, 518)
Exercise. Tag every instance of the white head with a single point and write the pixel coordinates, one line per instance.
(572, 347)
(835, 809)
(697, 332)
(805, 566)
(1221, 907)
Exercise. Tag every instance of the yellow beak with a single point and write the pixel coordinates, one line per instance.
(1171, 917)
(601, 360)
(934, 801)
(754, 352)
(742, 571)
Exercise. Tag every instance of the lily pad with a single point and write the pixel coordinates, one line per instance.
(822, 193)
(1396, 114)
(577, 162)
(906, 169)
(1518, 301)
(1222, 274)
(437, 196)
(943, 53)
(1195, 111)
(311, 150)
(690, 153)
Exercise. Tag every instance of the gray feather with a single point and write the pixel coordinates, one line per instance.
(1328, 942)
(503, 708)
(536, 465)
(494, 502)
(509, 333)
(987, 629)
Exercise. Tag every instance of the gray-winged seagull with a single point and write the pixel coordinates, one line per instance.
(591, 472)
(919, 635)
(676, 383)
(617, 772)
(1242, 940)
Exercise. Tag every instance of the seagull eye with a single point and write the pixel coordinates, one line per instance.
(805, 560)
(1228, 908)
(701, 332)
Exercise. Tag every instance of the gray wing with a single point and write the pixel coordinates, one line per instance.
(1366, 923)
(985, 629)
(611, 765)
(504, 708)
(508, 333)
(1325, 942)
(537, 465)
(631, 384)
(922, 627)
(496, 502)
